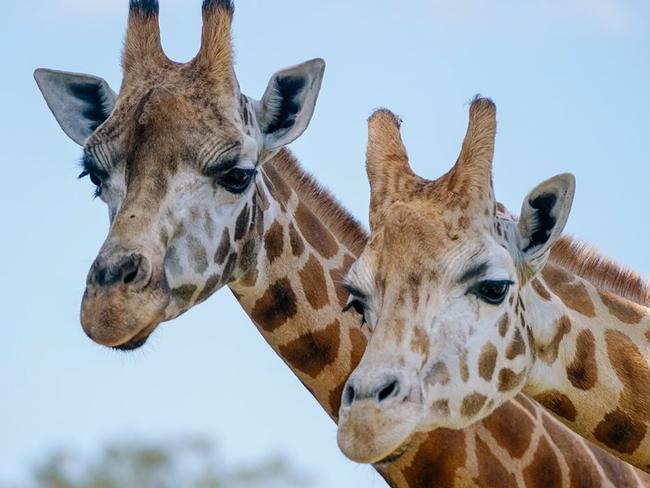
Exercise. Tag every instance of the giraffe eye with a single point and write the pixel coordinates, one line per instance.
(95, 179)
(358, 306)
(237, 179)
(492, 292)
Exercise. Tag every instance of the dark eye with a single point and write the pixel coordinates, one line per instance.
(236, 180)
(358, 306)
(96, 180)
(492, 292)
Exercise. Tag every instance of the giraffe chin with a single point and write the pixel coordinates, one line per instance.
(119, 320)
(370, 434)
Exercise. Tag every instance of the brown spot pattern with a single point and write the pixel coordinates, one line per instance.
(620, 432)
(540, 289)
(184, 293)
(337, 277)
(583, 473)
(224, 247)
(297, 246)
(508, 379)
(276, 306)
(516, 347)
(420, 341)
(511, 428)
(549, 353)
(487, 361)
(558, 403)
(209, 288)
(241, 224)
(583, 370)
(438, 459)
(439, 374)
(314, 285)
(490, 470)
(504, 324)
(464, 369)
(318, 236)
(632, 369)
(312, 352)
(624, 310)
(472, 404)
(544, 470)
(274, 242)
(570, 289)
(280, 189)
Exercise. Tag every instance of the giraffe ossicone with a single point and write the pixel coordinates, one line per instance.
(470, 306)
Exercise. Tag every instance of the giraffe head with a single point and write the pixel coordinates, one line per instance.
(174, 156)
(438, 283)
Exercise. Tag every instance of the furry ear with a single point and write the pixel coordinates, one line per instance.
(288, 103)
(80, 103)
(543, 216)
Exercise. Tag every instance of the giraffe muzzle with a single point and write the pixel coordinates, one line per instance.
(125, 299)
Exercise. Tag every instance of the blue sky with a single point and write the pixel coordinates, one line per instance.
(570, 79)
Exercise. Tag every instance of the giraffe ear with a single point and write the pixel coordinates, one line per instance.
(543, 216)
(80, 103)
(288, 103)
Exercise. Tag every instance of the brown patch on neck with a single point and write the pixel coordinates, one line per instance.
(583, 370)
(276, 306)
(358, 343)
(540, 289)
(544, 470)
(549, 353)
(572, 292)
(337, 276)
(315, 233)
(326, 208)
(558, 403)
(312, 352)
(511, 428)
(624, 310)
(274, 242)
(620, 432)
(632, 369)
(583, 473)
(297, 246)
(438, 460)
(312, 278)
(490, 470)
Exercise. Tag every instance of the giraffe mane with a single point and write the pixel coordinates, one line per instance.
(321, 201)
(589, 263)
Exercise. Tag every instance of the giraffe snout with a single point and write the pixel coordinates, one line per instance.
(130, 270)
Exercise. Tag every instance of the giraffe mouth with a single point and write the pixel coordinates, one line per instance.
(138, 340)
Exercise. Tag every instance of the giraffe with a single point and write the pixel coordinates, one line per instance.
(202, 195)
(467, 310)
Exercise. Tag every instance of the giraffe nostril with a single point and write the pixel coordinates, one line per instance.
(348, 396)
(388, 391)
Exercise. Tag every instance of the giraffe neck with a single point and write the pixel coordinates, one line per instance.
(592, 364)
(292, 291)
